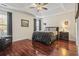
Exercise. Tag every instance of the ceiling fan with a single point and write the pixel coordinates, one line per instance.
(39, 6)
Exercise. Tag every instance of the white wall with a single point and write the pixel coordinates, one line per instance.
(19, 32)
(58, 20)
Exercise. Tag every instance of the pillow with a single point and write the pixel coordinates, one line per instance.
(55, 33)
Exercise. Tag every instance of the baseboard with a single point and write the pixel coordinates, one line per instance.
(72, 40)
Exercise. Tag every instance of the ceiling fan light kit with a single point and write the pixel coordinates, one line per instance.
(39, 6)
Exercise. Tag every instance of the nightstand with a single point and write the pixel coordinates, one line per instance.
(64, 35)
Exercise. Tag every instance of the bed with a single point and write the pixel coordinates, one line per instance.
(48, 36)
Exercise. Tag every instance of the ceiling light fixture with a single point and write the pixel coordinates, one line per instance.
(39, 6)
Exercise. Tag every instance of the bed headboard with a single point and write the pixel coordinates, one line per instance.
(52, 29)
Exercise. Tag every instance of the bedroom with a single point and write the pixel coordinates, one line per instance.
(52, 16)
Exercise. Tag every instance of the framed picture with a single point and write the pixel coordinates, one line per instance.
(24, 23)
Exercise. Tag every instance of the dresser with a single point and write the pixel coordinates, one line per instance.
(64, 36)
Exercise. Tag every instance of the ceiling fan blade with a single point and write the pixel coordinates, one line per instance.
(45, 3)
(42, 4)
(45, 8)
(38, 3)
(32, 7)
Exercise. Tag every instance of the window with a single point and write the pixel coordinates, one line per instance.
(3, 24)
(37, 24)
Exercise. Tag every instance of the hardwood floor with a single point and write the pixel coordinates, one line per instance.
(32, 48)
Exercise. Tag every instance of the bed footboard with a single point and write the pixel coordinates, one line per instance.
(44, 37)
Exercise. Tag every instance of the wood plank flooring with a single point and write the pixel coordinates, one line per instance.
(31, 48)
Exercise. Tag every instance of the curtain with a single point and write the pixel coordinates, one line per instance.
(9, 24)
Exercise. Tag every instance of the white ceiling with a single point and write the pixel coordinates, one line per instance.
(53, 8)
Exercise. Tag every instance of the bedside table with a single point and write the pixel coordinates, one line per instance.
(64, 35)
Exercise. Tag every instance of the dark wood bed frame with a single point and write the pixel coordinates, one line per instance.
(46, 36)
(51, 28)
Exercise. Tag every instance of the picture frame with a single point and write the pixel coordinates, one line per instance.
(24, 23)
